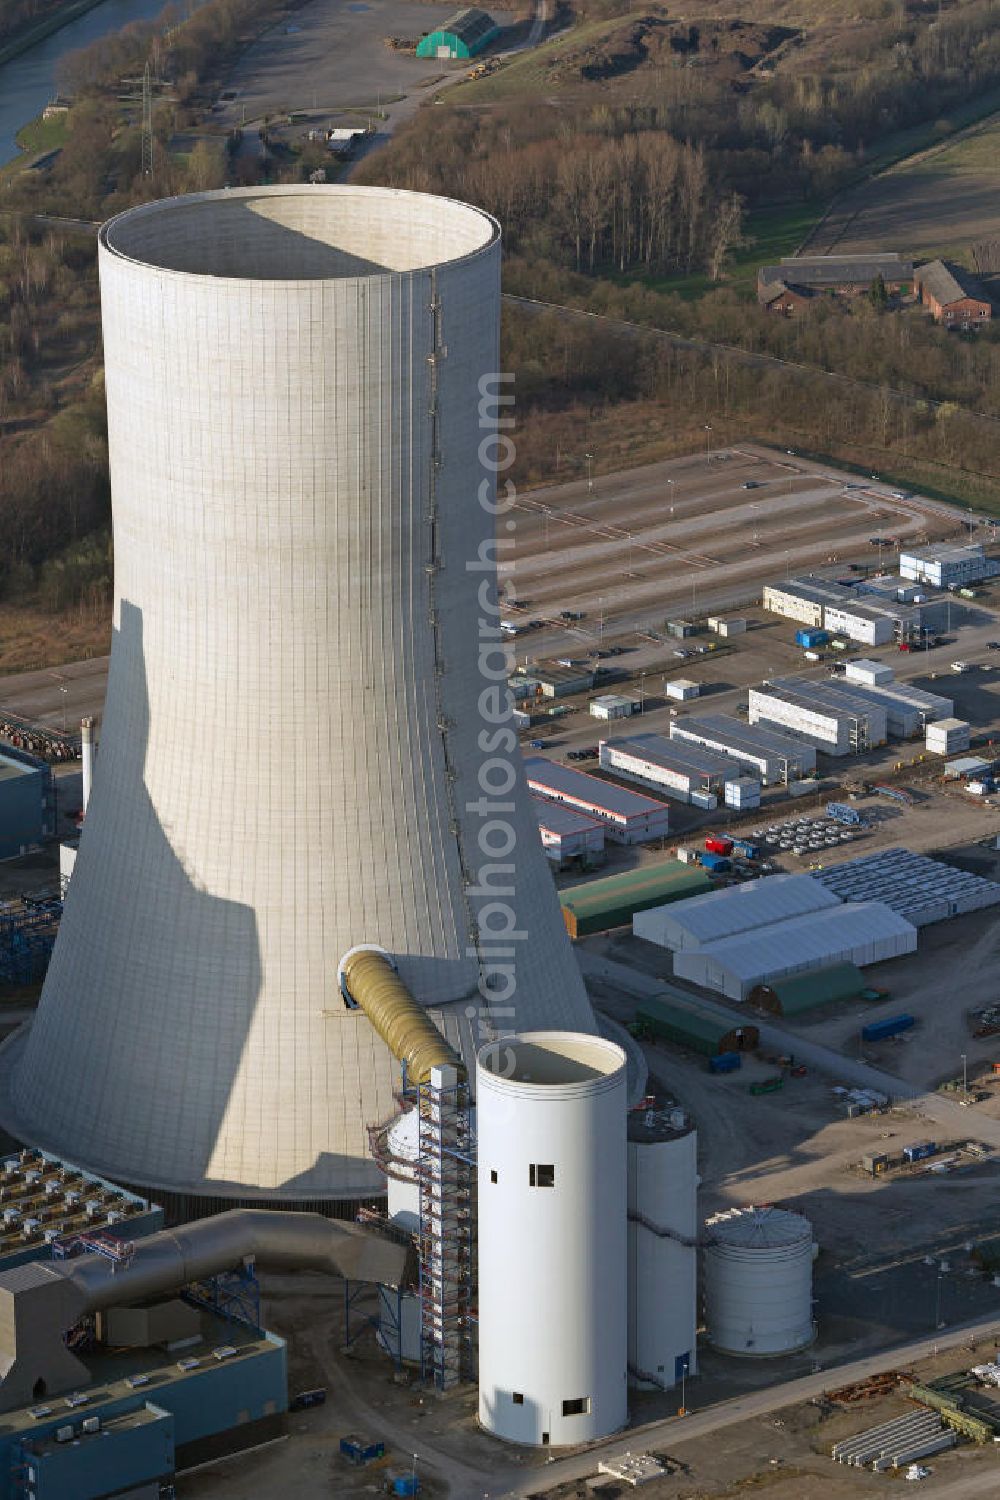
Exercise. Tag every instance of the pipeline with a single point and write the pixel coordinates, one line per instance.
(36, 1315)
(406, 1028)
(277, 1241)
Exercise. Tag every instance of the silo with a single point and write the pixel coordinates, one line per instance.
(758, 1281)
(305, 744)
(553, 1344)
(662, 1247)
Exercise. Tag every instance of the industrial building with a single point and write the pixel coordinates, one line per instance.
(670, 1017)
(868, 673)
(921, 889)
(693, 923)
(613, 706)
(681, 771)
(556, 681)
(27, 802)
(551, 1116)
(47, 1203)
(947, 565)
(463, 35)
(861, 933)
(628, 817)
(758, 1281)
(682, 689)
(836, 723)
(903, 719)
(568, 836)
(292, 380)
(807, 992)
(871, 619)
(775, 757)
(613, 901)
(948, 736)
(662, 1247)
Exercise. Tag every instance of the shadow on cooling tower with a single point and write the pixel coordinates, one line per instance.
(153, 983)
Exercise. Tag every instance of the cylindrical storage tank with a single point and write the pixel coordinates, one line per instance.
(553, 1345)
(758, 1281)
(401, 1186)
(662, 1255)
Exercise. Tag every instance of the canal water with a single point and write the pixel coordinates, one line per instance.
(28, 82)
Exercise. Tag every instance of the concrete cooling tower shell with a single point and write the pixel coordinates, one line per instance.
(303, 746)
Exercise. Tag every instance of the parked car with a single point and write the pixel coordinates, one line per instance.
(993, 645)
(679, 651)
(536, 744)
(750, 484)
(960, 666)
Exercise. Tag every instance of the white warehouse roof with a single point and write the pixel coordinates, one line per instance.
(689, 924)
(862, 933)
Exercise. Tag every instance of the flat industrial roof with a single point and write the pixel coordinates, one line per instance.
(556, 817)
(569, 782)
(671, 755)
(751, 737)
(945, 552)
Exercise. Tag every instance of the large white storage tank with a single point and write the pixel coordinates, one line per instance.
(662, 1253)
(553, 1347)
(758, 1281)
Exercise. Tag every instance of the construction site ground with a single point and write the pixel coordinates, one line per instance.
(784, 1451)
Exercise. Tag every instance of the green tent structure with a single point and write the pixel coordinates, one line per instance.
(613, 901)
(462, 36)
(660, 1018)
(802, 992)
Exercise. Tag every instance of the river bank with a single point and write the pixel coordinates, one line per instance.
(35, 34)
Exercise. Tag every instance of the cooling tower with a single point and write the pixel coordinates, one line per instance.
(304, 745)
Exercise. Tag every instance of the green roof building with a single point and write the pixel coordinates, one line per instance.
(600, 905)
(663, 1020)
(790, 997)
(465, 34)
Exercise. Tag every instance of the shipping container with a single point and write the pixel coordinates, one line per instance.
(747, 849)
(717, 843)
(842, 812)
(920, 1150)
(876, 1163)
(877, 1031)
(726, 1062)
(810, 639)
(715, 864)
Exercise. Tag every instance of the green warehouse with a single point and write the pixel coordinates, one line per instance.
(465, 34)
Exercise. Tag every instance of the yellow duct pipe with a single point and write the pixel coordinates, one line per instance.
(403, 1025)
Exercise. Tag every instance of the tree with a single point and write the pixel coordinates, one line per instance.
(727, 234)
(877, 294)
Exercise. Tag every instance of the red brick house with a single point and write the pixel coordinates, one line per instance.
(779, 297)
(954, 297)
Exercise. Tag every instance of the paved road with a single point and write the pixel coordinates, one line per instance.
(58, 697)
(954, 1120)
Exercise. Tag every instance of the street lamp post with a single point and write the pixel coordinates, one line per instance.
(590, 470)
(63, 691)
(708, 443)
(965, 1076)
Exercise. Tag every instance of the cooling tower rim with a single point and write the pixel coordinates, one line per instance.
(109, 235)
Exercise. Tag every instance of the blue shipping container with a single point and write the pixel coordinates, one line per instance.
(842, 812)
(716, 864)
(726, 1062)
(748, 850)
(920, 1150)
(890, 1026)
(809, 639)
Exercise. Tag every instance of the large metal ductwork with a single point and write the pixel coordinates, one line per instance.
(300, 739)
(41, 1301)
(372, 983)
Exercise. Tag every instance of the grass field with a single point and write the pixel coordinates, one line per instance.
(43, 135)
(936, 202)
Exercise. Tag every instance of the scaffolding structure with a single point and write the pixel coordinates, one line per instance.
(28, 927)
(446, 1179)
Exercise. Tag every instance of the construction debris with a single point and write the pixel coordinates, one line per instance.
(864, 1390)
(633, 1468)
